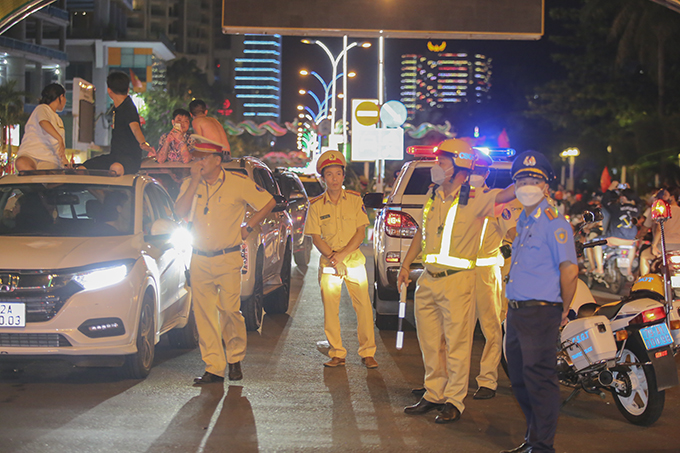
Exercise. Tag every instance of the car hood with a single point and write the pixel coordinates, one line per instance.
(24, 253)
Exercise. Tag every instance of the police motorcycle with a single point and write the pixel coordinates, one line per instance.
(625, 347)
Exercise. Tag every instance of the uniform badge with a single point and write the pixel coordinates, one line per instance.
(327, 216)
(363, 209)
(529, 161)
(538, 213)
(506, 214)
(561, 235)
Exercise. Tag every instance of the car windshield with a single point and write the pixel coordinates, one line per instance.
(313, 188)
(71, 210)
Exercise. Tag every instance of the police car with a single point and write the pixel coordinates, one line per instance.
(92, 269)
(398, 219)
(267, 255)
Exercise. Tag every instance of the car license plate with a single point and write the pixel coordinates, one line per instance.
(675, 281)
(12, 314)
(656, 336)
(622, 262)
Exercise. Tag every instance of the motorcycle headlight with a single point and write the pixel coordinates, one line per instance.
(102, 277)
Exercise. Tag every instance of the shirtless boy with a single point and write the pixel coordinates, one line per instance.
(207, 126)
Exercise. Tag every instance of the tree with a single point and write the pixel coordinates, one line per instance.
(11, 113)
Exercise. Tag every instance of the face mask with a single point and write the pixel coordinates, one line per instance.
(438, 175)
(529, 195)
(477, 180)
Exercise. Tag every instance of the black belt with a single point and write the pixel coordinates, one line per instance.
(532, 303)
(445, 273)
(217, 252)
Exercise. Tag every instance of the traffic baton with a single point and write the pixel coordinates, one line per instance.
(402, 314)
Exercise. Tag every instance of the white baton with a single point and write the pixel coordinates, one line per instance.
(402, 314)
(192, 212)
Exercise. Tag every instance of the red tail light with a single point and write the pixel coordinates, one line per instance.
(400, 225)
(647, 316)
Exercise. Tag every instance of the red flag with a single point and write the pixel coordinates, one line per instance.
(503, 140)
(605, 180)
(136, 83)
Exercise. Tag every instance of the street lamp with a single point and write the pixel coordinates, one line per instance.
(570, 153)
(322, 105)
(334, 64)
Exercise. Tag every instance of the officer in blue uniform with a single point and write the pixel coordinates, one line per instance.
(541, 286)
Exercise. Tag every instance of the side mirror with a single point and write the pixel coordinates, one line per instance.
(281, 203)
(374, 200)
(163, 226)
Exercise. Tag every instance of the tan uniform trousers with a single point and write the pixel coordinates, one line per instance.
(216, 286)
(357, 287)
(488, 312)
(444, 307)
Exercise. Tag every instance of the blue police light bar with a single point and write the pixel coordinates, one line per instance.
(497, 153)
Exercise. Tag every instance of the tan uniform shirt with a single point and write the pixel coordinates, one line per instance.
(337, 223)
(221, 207)
(467, 229)
(498, 227)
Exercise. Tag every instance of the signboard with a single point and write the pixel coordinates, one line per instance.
(370, 143)
(460, 19)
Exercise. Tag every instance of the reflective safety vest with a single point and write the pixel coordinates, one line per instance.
(443, 257)
(490, 261)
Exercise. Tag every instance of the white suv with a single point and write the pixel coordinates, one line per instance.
(92, 269)
(397, 222)
(267, 253)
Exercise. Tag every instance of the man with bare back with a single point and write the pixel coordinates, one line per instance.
(207, 126)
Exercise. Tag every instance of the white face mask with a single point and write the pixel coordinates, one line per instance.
(477, 180)
(529, 195)
(438, 175)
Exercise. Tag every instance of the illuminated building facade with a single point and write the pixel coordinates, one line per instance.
(446, 79)
(257, 77)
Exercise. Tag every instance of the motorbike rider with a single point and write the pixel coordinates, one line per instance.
(622, 205)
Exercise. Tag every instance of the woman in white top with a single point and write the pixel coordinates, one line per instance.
(43, 143)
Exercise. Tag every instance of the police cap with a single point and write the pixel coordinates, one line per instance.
(329, 158)
(532, 163)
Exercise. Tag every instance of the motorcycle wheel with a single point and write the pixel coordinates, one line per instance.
(641, 403)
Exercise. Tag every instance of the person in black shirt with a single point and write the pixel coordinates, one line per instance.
(127, 139)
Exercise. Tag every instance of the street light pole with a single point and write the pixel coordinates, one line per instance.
(571, 154)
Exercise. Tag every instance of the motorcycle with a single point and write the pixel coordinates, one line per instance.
(625, 347)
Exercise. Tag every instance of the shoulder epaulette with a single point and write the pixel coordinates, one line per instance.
(551, 213)
(353, 193)
(239, 174)
(315, 199)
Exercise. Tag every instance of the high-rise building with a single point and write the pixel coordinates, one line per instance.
(257, 76)
(442, 80)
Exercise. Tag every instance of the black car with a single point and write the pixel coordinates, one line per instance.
(298, 205)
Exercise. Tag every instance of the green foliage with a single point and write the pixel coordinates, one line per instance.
(11, 110)
(158, 113)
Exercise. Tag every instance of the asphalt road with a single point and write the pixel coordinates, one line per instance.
(289, 402)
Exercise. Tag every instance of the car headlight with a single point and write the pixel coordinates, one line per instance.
(101, 278)
(181, 239)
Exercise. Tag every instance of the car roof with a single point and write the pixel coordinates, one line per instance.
(69, 176)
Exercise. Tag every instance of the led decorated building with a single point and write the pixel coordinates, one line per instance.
(443, 79)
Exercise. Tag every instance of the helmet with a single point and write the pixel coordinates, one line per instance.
(649, 282)
(482, 159)
(329, 158)
(462, 153)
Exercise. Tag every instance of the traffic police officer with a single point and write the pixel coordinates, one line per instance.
(337, 221)
(215, 201)
(449, 239)
(541, 286)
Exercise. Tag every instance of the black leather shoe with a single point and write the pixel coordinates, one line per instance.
(484, 393)
(235, 373)
(208, 378)
(422, 407)
(449, 414)
(418, 392)
(524, 448)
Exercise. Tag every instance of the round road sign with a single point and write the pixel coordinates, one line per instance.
(367, 113)
(393, 114)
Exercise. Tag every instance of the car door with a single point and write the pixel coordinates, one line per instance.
(160, 248)
(272, 239)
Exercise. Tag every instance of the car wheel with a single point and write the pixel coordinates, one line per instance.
(303, 256)
(138, 365)
(185, 337)
(277, 301)
(251, 308)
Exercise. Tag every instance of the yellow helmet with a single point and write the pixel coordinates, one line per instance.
(649, 282)
(462, 153)
(330, 157)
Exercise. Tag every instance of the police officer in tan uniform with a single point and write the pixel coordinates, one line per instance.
(215, 201)
(337, 223)
(449, 240)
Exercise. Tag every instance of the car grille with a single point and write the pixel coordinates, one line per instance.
(43, 294)
(33, 340)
